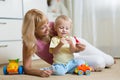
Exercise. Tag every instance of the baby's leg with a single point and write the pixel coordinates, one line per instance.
(59, 69)
(73, 64)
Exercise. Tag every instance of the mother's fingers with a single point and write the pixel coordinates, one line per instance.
(46, 73)
(80, 46)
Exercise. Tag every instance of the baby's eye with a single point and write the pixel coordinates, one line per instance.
(67, 28)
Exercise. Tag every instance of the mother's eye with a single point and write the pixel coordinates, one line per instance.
(61, 27)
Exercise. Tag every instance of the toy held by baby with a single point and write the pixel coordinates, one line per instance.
(77, 41)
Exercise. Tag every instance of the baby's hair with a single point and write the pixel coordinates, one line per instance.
(62, 17)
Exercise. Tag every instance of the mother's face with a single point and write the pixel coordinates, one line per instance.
(43, 30)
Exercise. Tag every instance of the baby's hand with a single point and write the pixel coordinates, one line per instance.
(63, 41)
(69, 41)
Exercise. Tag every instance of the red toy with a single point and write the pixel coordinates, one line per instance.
(77, 41)
(83, 69)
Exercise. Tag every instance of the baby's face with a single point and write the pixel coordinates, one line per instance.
(63, 29)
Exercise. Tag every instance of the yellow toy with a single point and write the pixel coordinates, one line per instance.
(13, 67)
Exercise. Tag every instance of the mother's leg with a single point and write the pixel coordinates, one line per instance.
(96, 62)
(91, 50)
(109, 60)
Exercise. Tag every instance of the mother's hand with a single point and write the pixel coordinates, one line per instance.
(80, 47)
(46, 73)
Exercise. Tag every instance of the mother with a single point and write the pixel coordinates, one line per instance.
(36, 35)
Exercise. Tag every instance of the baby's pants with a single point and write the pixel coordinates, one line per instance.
(62, 69)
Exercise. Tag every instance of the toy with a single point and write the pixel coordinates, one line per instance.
(13, 67)
(83, 69)
(77, 41)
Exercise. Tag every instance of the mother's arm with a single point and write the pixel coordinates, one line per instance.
(27, 64)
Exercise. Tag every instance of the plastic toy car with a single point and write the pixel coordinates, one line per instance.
(13, 67)
(83, 70)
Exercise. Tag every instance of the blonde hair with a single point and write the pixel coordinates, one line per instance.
(60, 18)
(32, 20)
